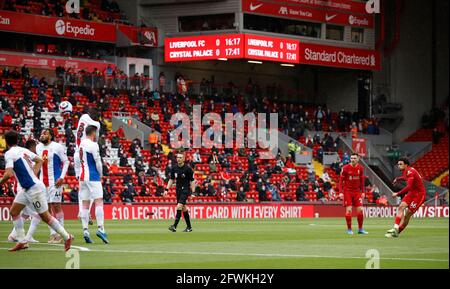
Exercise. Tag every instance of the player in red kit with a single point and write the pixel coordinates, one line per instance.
(415, 197)
(351, 184)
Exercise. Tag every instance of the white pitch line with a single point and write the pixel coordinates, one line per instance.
(247, 254)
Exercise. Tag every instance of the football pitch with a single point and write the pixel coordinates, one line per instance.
(236, 244)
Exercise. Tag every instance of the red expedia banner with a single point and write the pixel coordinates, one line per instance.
(239, 211)
(205, 47)
(38, 61)
(57, 27)
(306, 13)
(272, 49)
(323, 55)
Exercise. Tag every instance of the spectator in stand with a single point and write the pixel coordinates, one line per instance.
(8, 87)
(25, 72)
(262, 190)
(7, 119)
(319, 114)
(128, 194)
(142, 181)
(6, 72)
(274, 191)
(241, 197)
(196, 158)
(15, 74)
(162, 81)
(300, 192)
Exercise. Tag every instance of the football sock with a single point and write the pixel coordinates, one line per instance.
(85, 218)
(33, 227)
(58, 228)
(398, 219)
(360, 220)
(177, 218)
(348, 219)
(18, 226)
(187, 219)
(99, 214)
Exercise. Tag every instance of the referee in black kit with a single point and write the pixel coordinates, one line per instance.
(184, 175)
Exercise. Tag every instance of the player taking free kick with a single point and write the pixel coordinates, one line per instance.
(415, 197)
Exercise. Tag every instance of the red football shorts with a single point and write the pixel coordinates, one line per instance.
(353, 199)
(414, 200)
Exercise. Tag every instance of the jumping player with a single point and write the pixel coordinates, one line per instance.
(351, 183)
(52, 174)
(90, 183)
(91, 118)
(415, 197)
(19, 163)
(185, 185)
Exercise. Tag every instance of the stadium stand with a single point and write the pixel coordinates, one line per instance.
(226, 178)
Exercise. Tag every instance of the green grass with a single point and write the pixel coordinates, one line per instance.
(260, 244)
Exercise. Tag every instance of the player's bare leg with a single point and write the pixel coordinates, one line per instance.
(180, 207)
(348, 219)
(58, 213)
(398, 219)
(187, 219)
(405, 221)
(100, 216)
(360, 213)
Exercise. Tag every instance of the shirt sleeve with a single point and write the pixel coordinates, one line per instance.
(63, 156)
(98, 159)
(32, 155)
(172, 174)
(363, 181)
(342, 179)
(9, 161)
(409, 186)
